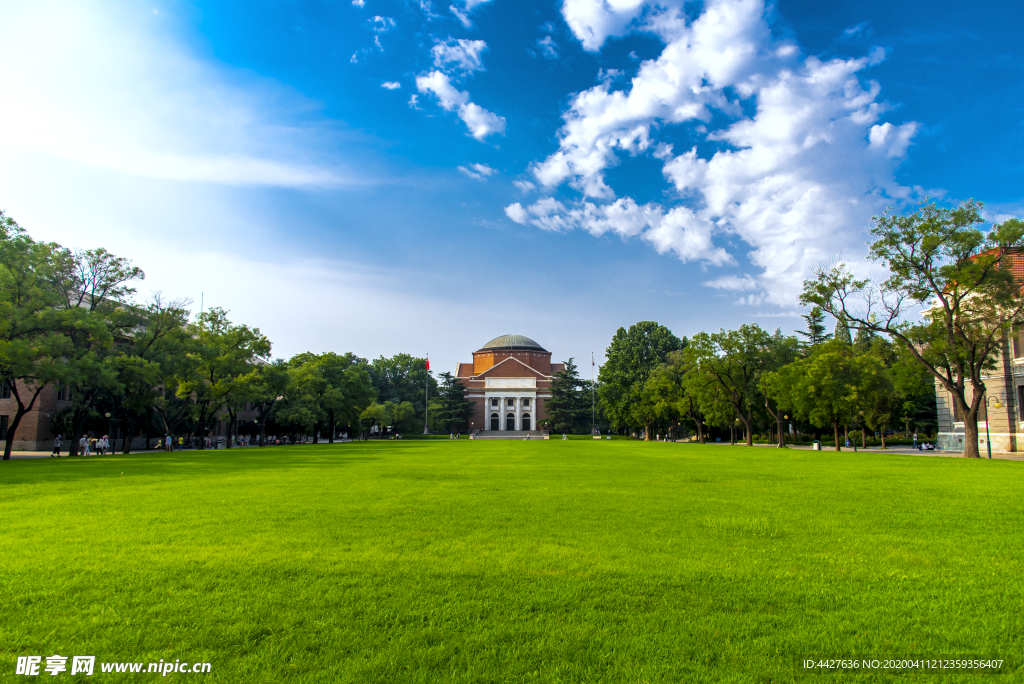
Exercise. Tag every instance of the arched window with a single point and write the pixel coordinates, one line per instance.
(495, 421)
(526, 421)
(510, 422)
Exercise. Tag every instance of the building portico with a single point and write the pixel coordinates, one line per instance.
(507, 384)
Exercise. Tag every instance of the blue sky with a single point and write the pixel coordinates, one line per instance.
(404, 175)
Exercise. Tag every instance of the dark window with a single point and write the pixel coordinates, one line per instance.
(5, 390)
(1020, 401)
(1018, 347)
(3, 427)
(494, 402)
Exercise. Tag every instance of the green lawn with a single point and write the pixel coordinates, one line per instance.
(486, 561)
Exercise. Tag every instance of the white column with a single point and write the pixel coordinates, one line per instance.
(519, 413)
(501, 412)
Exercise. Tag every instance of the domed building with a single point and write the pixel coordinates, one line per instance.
(508, 383)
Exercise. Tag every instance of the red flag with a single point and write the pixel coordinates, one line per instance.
(428, 364)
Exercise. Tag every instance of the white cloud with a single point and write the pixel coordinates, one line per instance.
(470, 4)
(382, 24)
(593, 21)
(735, 283)
(480, 122)
(803, 157)
(141, 105)
(524, 185)
(463, 54)
(461, 16)
(548, 47)
(359, 3)
(477, 171)
(391, 85)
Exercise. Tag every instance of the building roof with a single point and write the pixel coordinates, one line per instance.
(512, 342)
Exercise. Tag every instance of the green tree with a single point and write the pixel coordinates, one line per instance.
(629, 361)
(264, 386)
(453, 408)
(815, 333)
(95, 289)
(821, 388)
(221, 354)
(402, 378)
(937, 258)
(567, 409)
(729, 365)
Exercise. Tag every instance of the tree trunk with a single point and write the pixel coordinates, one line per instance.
(883, 440)
(19, 414)
(971, 447)
(330, 436)
(835, 430)
(129, 437)
(863, 438)
(748, 429)
(647, 433)
(782, 435)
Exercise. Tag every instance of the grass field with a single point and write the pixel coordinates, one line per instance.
(580, 561)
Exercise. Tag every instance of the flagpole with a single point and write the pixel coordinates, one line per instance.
(426, 399)
(593, 402)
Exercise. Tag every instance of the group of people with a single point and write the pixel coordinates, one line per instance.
(87, 446)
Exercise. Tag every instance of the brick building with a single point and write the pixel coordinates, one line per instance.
(34, 431)
(508, 383)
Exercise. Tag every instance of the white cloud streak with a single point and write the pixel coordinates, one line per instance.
(480, 122)
(477, 171)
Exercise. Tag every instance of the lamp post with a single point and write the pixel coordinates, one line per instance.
(988, 440)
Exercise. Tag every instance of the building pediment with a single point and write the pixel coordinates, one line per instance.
(511, 368)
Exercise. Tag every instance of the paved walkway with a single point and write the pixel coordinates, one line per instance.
(910, 451)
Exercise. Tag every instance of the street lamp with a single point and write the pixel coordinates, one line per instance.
(988, 440)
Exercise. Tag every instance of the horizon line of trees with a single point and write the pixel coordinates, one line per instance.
(67, 319)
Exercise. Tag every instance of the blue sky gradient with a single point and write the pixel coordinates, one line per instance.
(248, 155)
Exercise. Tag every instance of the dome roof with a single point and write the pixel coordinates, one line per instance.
(512, 342)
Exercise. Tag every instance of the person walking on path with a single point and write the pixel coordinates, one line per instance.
(915, 440)
(56, 447)
(167, 443)
(83, 444)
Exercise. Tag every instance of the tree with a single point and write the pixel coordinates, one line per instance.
(221, 354)
(821, 388)
(402, 378)
(630, 359)
(31, 345)
(567, 409)
(937, 258)
(815, 333)
(98, 318)
(145, 361)
(453, 408)
(729, 365)
(264, 386)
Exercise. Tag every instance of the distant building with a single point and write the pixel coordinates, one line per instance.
(1005, 383)
(508, 384)
(34, 432)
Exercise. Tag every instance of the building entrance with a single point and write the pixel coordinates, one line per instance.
(495, 422)
(510, 422)
(526, 421)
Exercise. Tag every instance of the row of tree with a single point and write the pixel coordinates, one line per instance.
(67, 319)
(949, 306)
